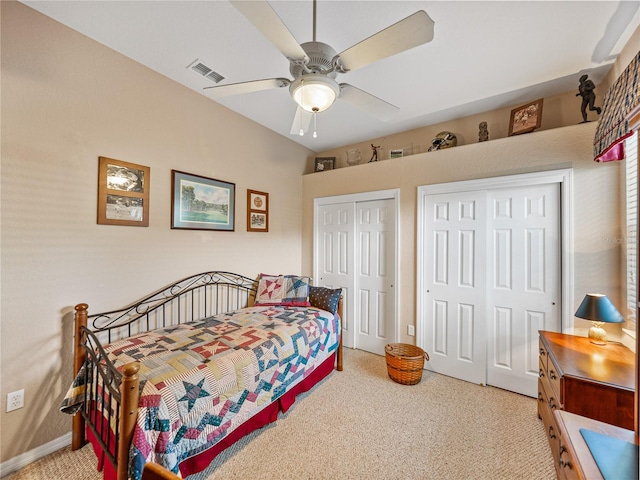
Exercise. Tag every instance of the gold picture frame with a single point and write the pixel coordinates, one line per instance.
(526, 118)
(257, 211)
(123, 193)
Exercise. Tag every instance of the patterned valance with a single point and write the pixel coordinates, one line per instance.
(613, 126)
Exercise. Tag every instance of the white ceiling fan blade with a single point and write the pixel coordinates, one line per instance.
(414, 30)
(371, 104)
(220, 91)
(301, 121)
(266, 20)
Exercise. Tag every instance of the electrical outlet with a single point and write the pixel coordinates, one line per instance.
(411, 331)
(15, 400)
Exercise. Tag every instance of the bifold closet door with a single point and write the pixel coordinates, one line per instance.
(336, 260)
(455, 234)
(491, 267)
(523, 282)
(375, 274)
(356, 251)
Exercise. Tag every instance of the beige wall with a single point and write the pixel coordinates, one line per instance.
(596, 208)
(65, 101)
(557, 111)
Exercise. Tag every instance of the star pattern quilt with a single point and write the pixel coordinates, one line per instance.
(201, 380)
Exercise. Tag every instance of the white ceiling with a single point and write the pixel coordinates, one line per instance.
(484, 55)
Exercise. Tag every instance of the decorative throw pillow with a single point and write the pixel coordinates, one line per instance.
(283, 290)
(325, 298)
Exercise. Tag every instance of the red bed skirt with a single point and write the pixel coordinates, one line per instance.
(267, 415)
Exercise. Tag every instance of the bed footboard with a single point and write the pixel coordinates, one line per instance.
(110, 396)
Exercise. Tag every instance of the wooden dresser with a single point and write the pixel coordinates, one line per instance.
(576, 460)
(590, 380)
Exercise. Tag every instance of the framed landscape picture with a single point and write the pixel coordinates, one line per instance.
(201, 203)
(257, 211)
(123, 193)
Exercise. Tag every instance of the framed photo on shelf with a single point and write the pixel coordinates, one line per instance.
(257, 211)
(396, 153)
(526, 118)
(325, 163)
(201, 203)
(123, 193)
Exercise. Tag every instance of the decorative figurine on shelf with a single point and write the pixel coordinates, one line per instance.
(374, 153)
(586, 91)
(483, 134)
(443, 140)
(353, 156)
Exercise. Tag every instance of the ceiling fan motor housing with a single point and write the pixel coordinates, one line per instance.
(320, 61)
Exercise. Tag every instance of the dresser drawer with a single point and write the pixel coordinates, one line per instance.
(544, 355)
(554, 382)
(548, 421)
(552, 400)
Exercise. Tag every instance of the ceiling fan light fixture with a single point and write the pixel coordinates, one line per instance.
(314, 92)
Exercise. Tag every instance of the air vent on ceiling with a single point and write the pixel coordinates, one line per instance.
(204, 71)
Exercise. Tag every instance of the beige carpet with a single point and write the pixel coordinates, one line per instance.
(358, 424)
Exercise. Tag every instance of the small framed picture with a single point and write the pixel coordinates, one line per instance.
(526, 118)
(201, 203)
(123, 193)
(325, 163)
(257, 211)
(396, 153)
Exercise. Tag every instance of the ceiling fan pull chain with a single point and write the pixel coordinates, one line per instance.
(301, 115)
(301, 129)
(315, 113)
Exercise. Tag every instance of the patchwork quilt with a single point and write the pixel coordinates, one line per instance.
(201, 380)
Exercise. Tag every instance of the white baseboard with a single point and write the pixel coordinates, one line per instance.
(16, 463)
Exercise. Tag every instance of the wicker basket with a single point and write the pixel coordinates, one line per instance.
(405, 362)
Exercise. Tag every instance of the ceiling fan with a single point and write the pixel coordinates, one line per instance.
(315, 65)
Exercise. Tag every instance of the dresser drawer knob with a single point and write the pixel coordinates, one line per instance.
(552, 375)
(540, 399)
(552, 403)
(542, 352)
(551, 434)
(541, 373)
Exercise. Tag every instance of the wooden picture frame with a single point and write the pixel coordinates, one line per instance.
(202, 203)
(123, 193)
(526, 118)
(257, 211)
(325, 163)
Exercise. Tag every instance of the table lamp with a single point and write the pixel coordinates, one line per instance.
(599, 309)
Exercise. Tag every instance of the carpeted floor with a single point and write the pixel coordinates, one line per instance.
(358, 424)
